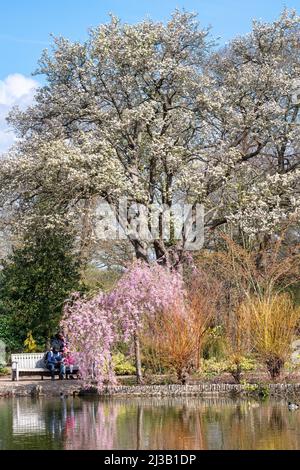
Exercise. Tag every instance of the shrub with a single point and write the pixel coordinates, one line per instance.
(3, 370)
(212, 367)
(260, 390)
(273, 322)
(30, 343)
(175, 339)
(236, 366)
(122, 366)
(238, 344)
(214, 345)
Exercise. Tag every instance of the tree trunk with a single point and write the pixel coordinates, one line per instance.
(182, 375)
(141, 250)
(237, 373)
(160, 252)
(275, 365)
(138, 364)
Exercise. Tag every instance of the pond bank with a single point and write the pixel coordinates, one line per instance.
(205, 390)
(48, 388)
(34, 388)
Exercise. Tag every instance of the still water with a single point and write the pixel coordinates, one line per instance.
(182, 423)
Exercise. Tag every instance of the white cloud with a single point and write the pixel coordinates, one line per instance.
(16, 89)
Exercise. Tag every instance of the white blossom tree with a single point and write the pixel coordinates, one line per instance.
(149, 111)
(255, 126)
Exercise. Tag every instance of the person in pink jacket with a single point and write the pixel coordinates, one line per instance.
(69, 363)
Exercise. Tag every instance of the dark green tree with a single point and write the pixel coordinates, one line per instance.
(34, 283)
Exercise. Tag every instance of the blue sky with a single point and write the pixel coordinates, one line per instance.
(25, 26)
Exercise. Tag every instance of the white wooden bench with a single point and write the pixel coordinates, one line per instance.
(30, 364)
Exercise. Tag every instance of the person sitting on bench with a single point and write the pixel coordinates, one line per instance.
(69, 363)
(54, 362)
(58, 342)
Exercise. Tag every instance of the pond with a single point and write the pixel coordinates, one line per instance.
(152, 423)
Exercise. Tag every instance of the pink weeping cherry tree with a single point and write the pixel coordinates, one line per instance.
(143, 292)
(91, 335)
(95, 326)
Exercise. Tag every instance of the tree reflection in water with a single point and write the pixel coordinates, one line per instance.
(179, 423)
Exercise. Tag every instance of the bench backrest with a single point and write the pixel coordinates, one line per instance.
(29, 361)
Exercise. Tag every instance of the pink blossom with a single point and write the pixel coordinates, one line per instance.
(95, 326)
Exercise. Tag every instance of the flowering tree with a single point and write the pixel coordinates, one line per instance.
(255, 126)
(95, 326)
(92, 335)
(116, 118)
(142, 293)
(144, 111)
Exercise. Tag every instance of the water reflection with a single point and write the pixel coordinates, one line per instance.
(28, 419)
(147, 424)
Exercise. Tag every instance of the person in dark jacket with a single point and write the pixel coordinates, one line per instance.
(55, 362)
(58, 342)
